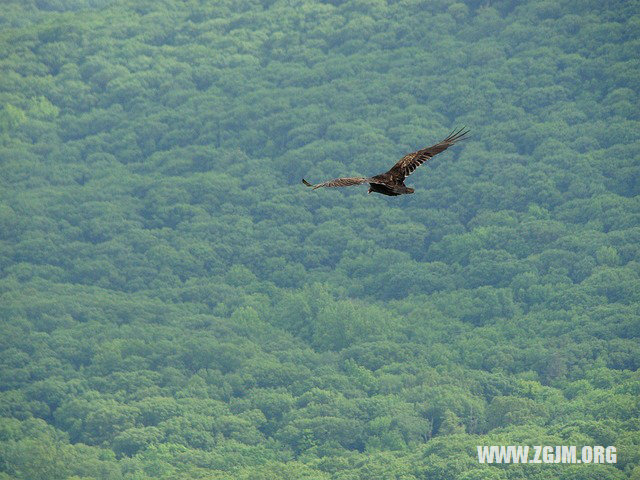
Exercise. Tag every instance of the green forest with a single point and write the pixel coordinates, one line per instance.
(175, 304)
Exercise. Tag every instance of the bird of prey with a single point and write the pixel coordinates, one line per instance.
(392, 182)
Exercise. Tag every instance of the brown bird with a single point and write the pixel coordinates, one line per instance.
(392, 182)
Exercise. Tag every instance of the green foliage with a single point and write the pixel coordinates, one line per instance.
(173, 304)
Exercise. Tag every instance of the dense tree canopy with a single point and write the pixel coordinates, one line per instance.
(174, 304)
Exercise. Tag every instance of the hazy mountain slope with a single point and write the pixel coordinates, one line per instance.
(175, 304)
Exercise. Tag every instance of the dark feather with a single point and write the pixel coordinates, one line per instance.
(339, 182)
(407, 164)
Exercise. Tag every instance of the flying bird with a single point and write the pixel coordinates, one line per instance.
(392, 182)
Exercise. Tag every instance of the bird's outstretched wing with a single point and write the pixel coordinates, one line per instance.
(339, 182)
(407, 164)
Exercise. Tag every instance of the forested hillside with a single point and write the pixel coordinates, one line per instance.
(175, 304)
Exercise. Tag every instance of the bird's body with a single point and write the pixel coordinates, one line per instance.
(392, 182)
(386, 185)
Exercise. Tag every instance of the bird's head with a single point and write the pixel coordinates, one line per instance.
(370, 190)
(410, 190)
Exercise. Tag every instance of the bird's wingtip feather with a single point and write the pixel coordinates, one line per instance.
(458, 134)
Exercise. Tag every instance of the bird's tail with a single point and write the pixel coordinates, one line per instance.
(306, 183)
